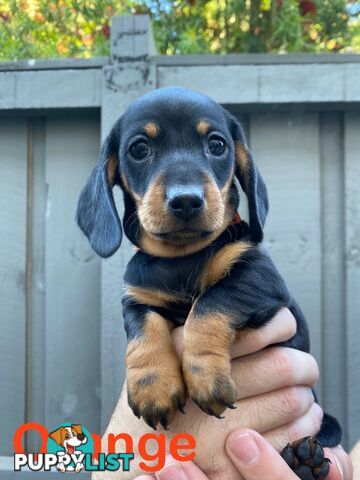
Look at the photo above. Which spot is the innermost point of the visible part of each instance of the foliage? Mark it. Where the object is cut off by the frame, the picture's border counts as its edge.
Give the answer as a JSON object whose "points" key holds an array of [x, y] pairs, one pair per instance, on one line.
{"points": [[80, 28]]}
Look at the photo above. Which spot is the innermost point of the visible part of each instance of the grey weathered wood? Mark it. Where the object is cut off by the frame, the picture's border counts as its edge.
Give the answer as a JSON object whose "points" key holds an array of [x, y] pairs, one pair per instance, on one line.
{"points": [[254, 59], [50, 89], [36, 360], [61, 63], [312, 83], [352, 252], [333, 333], [246, 82], [200, 59], [131, 37], [72, 271], [13, 168], [286, 148]]}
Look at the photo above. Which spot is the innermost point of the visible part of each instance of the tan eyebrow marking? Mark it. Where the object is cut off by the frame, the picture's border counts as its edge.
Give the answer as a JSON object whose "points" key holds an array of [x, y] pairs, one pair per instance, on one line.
{"points": [[202, 127], [152, 129]]}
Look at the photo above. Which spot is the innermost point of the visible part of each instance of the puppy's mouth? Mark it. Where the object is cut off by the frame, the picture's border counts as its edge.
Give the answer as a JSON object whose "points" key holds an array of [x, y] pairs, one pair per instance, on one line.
{"points": [[182, 237], [70, 449]]}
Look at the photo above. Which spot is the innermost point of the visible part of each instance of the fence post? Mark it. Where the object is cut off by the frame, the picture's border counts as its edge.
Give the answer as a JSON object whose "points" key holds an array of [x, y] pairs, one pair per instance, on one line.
{"points": [[129, 75]]}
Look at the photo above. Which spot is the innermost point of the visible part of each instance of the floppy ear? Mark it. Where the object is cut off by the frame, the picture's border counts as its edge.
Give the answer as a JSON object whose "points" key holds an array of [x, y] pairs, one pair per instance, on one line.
{"points": [[77, 428], [251, 182], [57, 435], [96, 212]]}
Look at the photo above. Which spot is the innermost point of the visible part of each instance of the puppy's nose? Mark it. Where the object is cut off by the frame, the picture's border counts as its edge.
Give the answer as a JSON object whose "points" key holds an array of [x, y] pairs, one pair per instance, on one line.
{"points": [[80, 436], [186, 203]]}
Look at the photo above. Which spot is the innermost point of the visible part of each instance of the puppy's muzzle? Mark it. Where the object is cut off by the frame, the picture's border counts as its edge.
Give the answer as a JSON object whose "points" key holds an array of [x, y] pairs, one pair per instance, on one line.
{"points": [[185, 202]]}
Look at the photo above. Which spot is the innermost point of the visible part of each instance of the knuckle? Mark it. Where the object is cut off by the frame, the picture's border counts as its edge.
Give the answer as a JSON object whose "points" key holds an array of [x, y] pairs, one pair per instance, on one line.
{"points": [[293, 400], [283, 363], [314, 369], [290, 327], [307, 425]]}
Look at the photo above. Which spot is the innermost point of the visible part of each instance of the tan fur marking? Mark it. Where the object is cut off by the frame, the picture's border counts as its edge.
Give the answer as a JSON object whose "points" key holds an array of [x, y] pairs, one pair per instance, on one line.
{"points": [[152, 129], [155, 298], [206, 358], [111, 168], [161, 248], [202, 127], [155, 218], [242, 160], [134, 195], [221, 263], [152, 210], [152, 356]]}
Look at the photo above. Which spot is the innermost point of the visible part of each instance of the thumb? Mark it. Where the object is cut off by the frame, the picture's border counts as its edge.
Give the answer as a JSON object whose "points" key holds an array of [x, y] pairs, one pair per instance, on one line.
{"points": [[255, 458]]}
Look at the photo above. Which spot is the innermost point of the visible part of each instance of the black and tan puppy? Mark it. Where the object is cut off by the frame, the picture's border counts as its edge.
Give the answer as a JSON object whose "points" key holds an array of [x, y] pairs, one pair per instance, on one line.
{"points": [[176, 154]]}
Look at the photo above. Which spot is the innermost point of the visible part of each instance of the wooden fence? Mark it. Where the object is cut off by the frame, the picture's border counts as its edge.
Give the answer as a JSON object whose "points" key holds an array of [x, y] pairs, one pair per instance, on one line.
{"points": [[62, 340]]}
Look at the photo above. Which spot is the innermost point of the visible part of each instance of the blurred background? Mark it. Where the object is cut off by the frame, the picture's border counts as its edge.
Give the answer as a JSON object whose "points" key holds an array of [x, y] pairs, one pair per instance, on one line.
{"points": [[288, 69]]}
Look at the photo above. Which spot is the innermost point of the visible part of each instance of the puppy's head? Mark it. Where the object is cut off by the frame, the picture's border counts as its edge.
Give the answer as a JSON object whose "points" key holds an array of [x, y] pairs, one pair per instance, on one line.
{"points": [[175, 154], [69, 437]]}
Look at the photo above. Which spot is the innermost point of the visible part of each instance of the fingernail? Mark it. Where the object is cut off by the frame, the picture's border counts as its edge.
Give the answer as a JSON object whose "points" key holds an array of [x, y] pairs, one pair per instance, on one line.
{"points": [[339, 467], [332, 455], [245, 448], [172, 471]]}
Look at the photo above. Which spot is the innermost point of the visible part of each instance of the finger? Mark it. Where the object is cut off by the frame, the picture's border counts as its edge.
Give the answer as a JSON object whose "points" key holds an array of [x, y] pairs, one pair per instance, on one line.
{"points": [[341, 465], [272, 410], [307, 425], [174, 470], [280, 329], [272, 369], [255, 458]]}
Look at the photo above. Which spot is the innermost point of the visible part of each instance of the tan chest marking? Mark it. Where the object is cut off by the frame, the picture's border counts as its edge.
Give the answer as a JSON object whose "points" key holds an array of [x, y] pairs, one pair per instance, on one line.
{"points": [[152, 297], [221, 263]]}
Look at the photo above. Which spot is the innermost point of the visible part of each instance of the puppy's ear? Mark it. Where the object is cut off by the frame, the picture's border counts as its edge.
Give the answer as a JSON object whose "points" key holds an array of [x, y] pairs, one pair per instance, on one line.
{"points": [[96, 212], [250, 180], [57, 435], [77, 428]]}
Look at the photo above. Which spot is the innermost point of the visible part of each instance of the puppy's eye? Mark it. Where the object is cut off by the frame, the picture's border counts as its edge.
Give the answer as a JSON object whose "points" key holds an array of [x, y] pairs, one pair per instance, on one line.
{"points": [[139, 149], [216, 145]]}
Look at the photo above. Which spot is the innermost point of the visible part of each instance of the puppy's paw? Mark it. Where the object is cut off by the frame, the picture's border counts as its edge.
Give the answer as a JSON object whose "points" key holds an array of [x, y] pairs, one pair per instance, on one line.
{"points": [[209, 383], [156, 398], [306, 458], [155, 392]]}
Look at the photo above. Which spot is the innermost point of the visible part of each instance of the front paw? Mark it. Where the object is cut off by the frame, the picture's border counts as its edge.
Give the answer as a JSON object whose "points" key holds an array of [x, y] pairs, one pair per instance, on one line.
{"points": [[209, 383], [155, 384], [156, 397]]}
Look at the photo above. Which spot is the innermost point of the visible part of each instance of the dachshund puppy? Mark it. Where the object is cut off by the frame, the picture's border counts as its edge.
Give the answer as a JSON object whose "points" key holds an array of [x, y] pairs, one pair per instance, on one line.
{"points": [[176, 154]]}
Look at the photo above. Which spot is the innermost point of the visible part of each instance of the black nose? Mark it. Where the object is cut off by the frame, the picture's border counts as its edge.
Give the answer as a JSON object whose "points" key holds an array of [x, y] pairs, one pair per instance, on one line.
{"points": [[186, 203], [80, 436]]}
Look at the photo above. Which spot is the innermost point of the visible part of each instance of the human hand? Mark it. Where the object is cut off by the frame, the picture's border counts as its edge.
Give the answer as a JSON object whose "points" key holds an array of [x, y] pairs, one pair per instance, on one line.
{"points": [[254, 459], [274, 398]]}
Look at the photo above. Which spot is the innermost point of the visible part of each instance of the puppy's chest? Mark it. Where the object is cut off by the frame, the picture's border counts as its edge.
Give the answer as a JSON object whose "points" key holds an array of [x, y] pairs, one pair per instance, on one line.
{"points": [[169, 285]]}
